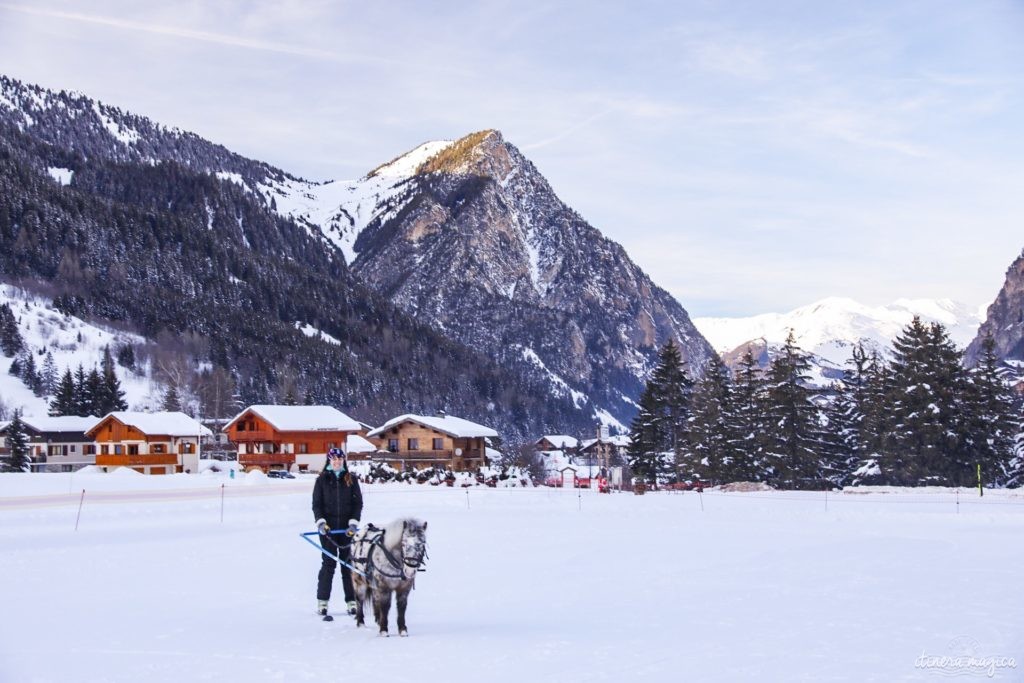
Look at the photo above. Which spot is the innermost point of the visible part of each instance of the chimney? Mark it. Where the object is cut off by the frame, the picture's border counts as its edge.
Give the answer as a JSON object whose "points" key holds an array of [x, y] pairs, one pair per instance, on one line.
{"points": [[441, 414]]}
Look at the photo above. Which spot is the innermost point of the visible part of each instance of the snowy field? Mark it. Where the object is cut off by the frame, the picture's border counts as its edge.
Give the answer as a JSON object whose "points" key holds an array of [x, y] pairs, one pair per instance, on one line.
{"points": [[522, 585]]}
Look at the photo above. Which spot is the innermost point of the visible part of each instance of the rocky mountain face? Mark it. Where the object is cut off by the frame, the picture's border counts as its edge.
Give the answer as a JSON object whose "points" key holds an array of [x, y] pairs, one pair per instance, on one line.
{"points": [[478, 245], [1005, 318], [449, 277]]}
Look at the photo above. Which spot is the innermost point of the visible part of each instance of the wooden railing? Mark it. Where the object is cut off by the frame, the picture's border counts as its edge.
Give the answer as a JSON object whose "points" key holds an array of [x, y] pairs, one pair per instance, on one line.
{"points": [[265, 459], [125, 460], [254, 435]]}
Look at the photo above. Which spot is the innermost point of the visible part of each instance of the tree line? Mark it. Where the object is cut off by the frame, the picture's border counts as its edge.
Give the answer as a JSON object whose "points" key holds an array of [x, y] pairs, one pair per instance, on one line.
{"points": [[917, 417]]}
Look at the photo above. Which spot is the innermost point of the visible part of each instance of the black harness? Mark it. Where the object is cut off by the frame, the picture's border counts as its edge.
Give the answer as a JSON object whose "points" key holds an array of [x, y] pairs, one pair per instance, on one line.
{"points": [[373, 570]]}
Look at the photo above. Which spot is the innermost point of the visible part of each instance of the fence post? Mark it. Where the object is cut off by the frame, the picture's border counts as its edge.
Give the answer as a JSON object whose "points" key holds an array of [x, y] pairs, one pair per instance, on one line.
{"points": [[467, 499], [700, 493], [222, 503], [80, 502]]}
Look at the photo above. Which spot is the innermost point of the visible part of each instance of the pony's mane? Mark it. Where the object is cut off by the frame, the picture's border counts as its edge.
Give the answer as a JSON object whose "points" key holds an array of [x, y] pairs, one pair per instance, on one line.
{"points": [[393, 531]]}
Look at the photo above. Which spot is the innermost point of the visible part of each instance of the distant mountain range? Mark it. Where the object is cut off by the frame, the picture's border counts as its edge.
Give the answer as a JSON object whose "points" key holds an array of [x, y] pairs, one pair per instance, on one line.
{"points": [[451, 277], [828, 329]]}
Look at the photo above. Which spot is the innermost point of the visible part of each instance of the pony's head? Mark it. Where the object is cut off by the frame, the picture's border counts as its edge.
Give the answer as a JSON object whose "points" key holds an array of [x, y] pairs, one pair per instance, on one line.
{"points": [[414, 542]]}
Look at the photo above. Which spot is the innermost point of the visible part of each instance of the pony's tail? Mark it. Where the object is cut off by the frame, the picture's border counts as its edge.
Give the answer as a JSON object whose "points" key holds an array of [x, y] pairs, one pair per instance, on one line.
{"points": [[348, 478]]}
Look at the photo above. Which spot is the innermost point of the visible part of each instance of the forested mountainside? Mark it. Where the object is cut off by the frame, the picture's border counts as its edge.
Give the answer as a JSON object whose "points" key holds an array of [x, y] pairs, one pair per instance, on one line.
{"points": [[199, 263]]}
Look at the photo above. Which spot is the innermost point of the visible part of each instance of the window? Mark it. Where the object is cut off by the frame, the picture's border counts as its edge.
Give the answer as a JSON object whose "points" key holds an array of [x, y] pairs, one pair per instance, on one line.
{"points": [[89, 449], [393, 445], [105, 449], [303, 448], [188, 447], [73, 447], [158, 448], [133, 449], [438, 444], [118, 449], [414, 444], [240, 426]]}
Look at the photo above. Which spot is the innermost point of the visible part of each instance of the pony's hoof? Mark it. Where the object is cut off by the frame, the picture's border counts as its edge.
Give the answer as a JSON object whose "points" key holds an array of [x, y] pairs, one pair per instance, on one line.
{"points": [[383, 634], [403, 633]]}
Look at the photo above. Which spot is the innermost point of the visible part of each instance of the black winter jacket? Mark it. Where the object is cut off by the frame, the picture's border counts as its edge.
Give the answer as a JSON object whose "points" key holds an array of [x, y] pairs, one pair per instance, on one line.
{"points": [[335, 501]]}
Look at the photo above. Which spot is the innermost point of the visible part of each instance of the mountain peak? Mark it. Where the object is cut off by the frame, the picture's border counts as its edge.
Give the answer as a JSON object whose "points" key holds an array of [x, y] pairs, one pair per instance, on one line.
{"points": [[479, 153]]}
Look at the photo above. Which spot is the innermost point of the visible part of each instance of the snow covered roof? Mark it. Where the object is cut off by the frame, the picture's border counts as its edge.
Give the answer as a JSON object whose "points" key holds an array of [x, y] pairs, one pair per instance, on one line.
{"points": [[64, 423], [169, 423], [357, 444], [302, 418], [559, 440], [620, 440], [453, 426]]}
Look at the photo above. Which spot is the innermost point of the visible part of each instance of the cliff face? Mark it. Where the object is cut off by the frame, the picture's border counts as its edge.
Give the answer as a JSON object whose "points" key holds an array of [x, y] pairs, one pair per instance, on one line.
{"points": [[478, 244], [1005, 318]]}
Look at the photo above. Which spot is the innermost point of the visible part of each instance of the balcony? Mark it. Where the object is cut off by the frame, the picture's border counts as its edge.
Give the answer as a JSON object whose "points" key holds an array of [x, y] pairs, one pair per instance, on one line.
{"points": [[125, 460], [265, 459], [254, 435]]}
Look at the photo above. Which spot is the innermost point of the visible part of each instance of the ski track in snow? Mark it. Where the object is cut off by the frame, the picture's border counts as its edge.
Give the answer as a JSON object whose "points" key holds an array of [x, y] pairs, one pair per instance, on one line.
{"points": [[522, 584]]}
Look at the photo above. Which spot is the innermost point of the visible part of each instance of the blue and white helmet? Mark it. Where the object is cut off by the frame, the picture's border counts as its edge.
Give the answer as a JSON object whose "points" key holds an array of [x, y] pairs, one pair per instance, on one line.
{"points": [[335, 453]]}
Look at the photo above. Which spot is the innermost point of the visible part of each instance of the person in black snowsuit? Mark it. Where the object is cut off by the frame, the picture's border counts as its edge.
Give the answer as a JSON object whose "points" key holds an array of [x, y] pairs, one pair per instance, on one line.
{"points": [[337, 504]]}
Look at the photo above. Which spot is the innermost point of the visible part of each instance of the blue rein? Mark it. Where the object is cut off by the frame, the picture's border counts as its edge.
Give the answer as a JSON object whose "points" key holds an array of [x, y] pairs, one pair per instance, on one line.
{"points": [[306, 536]]}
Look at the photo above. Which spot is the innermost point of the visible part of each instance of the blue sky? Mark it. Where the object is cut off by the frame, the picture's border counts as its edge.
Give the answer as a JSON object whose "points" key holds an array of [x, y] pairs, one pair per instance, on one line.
{"points": [[750, 156]]}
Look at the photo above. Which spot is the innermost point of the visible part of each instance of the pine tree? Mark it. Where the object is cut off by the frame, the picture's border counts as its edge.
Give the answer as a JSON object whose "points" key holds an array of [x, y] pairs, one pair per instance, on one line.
{"points": [[711, 434], [11, 342], [748, 425], [646, 455], [17, 445], [924, 407], [839, 453], [30, 375], [63, 402], [111, 394], [126, 356], [48, 376], [171, 401], [675, 388], [793, 427], [991, 418], [92, 396]]}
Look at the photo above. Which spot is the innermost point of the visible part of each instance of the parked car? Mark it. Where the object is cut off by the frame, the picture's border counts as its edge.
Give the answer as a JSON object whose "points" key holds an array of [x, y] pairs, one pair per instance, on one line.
{"points": [[280, 474]]}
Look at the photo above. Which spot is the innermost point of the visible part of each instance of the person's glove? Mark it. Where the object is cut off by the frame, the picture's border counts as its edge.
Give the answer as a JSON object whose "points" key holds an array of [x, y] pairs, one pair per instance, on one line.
{"points": [[321, 526], [353, 527]]}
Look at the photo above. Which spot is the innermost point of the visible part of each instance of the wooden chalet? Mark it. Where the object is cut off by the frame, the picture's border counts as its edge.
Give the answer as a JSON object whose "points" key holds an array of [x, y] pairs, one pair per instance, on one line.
{"points": [[57, 444], [556, 442], [280, 437], [605, 450], [419, 441], [151, 443]]}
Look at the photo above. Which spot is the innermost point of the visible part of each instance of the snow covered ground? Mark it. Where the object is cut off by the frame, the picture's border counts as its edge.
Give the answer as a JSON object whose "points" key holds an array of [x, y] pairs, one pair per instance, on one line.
{"points": [[522, 585]]}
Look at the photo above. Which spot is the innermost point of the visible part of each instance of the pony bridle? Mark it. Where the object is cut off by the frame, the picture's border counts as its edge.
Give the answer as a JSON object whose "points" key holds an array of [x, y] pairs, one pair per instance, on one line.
{"points": [[415, 561]]}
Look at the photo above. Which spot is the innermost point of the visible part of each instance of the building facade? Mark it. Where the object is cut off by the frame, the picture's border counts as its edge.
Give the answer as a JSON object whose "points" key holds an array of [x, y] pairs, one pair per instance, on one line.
{"points": [[289, 437], [420, 441]]}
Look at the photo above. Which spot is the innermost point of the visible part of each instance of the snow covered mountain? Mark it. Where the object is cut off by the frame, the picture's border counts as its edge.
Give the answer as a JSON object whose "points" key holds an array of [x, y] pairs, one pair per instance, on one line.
{"points": [[464, 237], [468, 236], [828, 329]]}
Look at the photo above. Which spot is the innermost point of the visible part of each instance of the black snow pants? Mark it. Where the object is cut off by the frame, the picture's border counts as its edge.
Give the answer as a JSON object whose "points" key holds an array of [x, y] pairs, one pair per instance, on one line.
{"points": [[335, 545]]}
